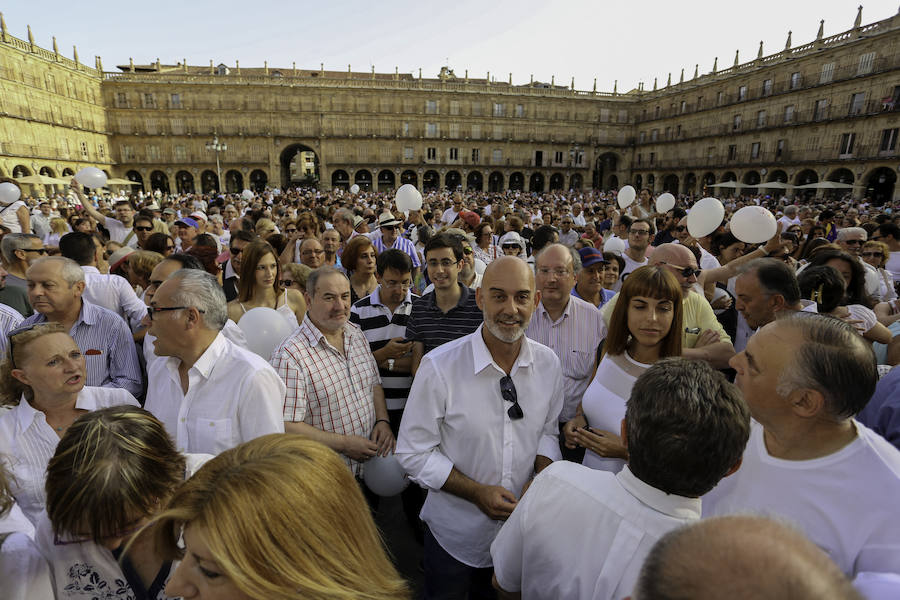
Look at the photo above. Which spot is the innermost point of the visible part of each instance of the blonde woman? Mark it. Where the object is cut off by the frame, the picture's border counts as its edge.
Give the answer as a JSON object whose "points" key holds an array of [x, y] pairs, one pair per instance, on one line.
{"points": [[139, 265], [277, 518], [43, 382], [58, 228], [113, 470]]}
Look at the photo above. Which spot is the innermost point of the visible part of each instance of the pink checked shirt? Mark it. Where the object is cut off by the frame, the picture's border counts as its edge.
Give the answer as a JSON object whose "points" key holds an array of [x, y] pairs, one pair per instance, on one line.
{"points": [[325, 389]]}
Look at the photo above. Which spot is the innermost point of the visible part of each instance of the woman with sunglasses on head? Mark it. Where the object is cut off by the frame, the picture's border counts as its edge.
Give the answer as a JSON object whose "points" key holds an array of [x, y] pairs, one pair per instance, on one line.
{"points": [[43, 375], [113, 470], [260, 286], [876, 254], [359, 261], [277, 518], [645, 326]]}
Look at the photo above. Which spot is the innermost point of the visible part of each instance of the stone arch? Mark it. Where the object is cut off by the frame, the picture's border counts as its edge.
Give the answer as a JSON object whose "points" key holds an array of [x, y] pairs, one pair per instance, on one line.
{"points": [[386, 180], [234, 181], [517, 181], [159, 181], [258, 180], [431, 180], [495, 182], [409, 176], [536, 182], [576, 181], [475, 181], [209, 181], [134, 176], [298, 167], [363, 179], [670, 183], [881, 184], [340, 179], [452, 180], [184, 182]]}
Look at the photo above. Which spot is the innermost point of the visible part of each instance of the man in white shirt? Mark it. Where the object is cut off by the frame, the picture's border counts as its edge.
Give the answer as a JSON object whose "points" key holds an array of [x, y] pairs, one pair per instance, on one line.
{"points": [[741, 556], [639, 235], [578, 215], [209, 393], [481, 418], [789, 218], [567, 235], [808, 460], [584, 533], [449, 216], [109, 291], [40, 221], [120, 229], [570, 326]]}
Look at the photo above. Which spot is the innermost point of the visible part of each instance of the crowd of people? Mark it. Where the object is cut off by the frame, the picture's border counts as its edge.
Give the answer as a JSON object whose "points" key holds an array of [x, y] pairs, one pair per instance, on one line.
{"points": [[587, 400]]}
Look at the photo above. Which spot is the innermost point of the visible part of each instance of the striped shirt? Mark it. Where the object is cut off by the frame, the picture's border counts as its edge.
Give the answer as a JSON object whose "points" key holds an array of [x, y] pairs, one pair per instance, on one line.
{"points": [[327, 389], [429, 325], [401, 243], [574, 338], [379, 326], [9, 320], [107, 345]]}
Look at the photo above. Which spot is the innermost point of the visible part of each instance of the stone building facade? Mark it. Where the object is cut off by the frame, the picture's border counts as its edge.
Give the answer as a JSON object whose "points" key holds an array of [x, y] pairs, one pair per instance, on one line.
{"points": [[828, 110]]}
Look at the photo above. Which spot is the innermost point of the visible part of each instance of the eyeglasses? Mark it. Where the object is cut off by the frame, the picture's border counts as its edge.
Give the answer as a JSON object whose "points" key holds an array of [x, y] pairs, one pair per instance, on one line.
{"points": [[286, 283], [136, 228], [85, 539], [854, 242], [445, 263], [511, 247], [38, 250], [680, 228], [508, 391], [546, 272], [872, 254], [390, 227], [686, 272], [639, 232], [235, 251], [308, 252], [151, 310], [168, 247]]}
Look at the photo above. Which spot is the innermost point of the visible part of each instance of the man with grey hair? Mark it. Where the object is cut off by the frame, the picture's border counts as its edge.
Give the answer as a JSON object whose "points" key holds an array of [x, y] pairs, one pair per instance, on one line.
{"points": [[741, 556], [573, 328], [19, 251], [55, 288], [790, 217], [343, 220], [584, 533], [809, 461], [210, 393], [851, 241]]}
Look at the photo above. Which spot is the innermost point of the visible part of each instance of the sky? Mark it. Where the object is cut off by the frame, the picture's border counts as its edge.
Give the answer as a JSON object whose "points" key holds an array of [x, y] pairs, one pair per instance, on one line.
{"points": [[629, 41]]}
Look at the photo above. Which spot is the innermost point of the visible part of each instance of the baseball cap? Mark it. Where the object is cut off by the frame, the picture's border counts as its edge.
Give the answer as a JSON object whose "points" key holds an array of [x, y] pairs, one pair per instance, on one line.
{"points": [[591, 256], [188, 222]]}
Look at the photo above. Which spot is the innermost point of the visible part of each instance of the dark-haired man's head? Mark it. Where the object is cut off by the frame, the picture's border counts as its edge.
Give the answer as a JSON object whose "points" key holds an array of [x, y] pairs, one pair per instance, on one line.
{"points": [[766, 287], [80, 247], [393, 270]]}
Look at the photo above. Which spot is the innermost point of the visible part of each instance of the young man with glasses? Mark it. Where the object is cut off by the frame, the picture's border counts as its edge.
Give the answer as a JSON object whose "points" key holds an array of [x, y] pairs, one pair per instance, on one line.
{"points": [[120, 227], [635, 254], [482, 418], [450, 311]]}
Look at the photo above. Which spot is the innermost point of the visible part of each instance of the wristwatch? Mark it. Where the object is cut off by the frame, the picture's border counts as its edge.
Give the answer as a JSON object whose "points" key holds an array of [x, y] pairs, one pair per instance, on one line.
{"points": [[390, 364]]}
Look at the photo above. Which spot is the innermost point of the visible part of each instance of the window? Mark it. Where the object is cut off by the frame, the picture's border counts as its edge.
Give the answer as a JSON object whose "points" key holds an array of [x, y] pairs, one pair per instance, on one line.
{"points": [[866, 63], [454, 130], [654, 135], [821, 110], [431, 130], [699, 102], [409, 153], [497, 132], [153, 152], [710, 151], [180, 154], [683, 107], [476, 156], [404, 129], [84, 151], [520, 110], [149, 101], [558, 157], [604, 115], [454, 107], [857, 103], [127, 153], [789, 113], [888, 140], [177, 126], [640, 159], [796, 80], [101, 150], [812, 142], [175, 100], [476, 132], [736, 123], [827, 73], [720, 98], [678, 131], [498, 109], [476, 109], [623, 115], [652, 157], [847, 140], [431, 154], [668, 134], [656, 113], [742, 93], [431, 107], [779, 149], [732, 152], [642, 137], [754, 150], [761, 118], [454, 153], [121, 100], [497, 156], [767, 87]]}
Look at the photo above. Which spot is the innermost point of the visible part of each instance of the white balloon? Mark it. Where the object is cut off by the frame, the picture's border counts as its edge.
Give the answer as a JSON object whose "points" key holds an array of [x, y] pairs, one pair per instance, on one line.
{"points": [[615, 245], [753, 224], [705, 216], [408, 198], [665, 203], [247, 195], [9, 193], [384, 475], [91, 177], [626, 196], [264, 329], [354, 189]]}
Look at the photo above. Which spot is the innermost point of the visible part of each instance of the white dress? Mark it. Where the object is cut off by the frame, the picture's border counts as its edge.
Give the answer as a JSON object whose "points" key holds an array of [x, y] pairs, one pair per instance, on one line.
{"points": [[9, 218], [604, 401], [285, 311], [27, 443]]}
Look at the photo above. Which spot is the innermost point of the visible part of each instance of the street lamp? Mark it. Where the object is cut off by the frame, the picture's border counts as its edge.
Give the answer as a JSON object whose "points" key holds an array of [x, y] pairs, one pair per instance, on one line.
{"points": [[218, 147]]}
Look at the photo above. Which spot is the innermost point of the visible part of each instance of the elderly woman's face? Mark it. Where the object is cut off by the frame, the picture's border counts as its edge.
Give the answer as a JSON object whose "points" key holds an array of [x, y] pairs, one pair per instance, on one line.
{"points": [[872, 255], [53, 366]]}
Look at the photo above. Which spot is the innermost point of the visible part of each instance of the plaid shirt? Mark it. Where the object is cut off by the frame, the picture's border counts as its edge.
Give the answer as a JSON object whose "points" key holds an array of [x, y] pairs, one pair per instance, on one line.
{"points": [[326, 389]]}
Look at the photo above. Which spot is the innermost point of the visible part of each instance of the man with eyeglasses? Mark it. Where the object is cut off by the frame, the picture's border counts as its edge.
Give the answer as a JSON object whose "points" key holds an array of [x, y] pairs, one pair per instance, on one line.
{"points": [[567, 235], [481, 420], [119, 228], [390, 237], [450, 311], [55, 288], [635, 254], [210, 393], [851, 240], [568, 325], [232, 271], [311, 253], [19, 251]]}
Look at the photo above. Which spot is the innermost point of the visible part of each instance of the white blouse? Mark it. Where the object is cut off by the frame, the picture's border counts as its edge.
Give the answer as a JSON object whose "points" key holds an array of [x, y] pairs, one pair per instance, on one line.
{"points": [[27, 443]]}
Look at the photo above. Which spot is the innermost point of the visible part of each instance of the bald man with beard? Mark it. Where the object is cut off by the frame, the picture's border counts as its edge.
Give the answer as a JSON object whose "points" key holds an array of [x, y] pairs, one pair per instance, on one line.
{"points": [[703, 337]]}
